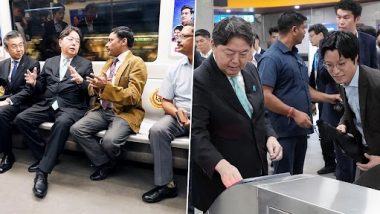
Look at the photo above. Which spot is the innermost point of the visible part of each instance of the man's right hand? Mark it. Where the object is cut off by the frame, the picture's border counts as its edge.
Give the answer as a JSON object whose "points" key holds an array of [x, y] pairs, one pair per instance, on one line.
{"points": [[302, 119], [342, 128], [31, 77], [229, 173]]}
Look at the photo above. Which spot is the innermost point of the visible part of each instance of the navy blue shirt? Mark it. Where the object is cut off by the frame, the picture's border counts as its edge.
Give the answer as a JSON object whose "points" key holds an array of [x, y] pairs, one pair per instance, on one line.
{"points": [[285, 71]]}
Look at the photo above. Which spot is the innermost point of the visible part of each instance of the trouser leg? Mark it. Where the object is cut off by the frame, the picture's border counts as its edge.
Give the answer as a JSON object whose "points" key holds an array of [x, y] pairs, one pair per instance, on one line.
{"points": [[160, 136], [84, 131], [7, 114]]}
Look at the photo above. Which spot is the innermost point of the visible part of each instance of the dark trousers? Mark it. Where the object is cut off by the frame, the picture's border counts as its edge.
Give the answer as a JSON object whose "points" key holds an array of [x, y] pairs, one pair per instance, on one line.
{"points": [[345, 166], [47, 153], [7, 114], [294, 151]]}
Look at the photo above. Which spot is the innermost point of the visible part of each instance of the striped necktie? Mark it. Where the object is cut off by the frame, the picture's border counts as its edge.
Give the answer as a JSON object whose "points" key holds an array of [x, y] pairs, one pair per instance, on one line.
{"points": [[107, 104]]}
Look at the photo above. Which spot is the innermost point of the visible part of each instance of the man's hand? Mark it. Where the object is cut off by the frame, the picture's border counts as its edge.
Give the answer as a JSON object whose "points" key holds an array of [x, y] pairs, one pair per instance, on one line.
{"points": [[31, 77], [334, 98], [97, 82], [274, 149], [4, 103], [182, 117], [229, 173], [342, 128], [302, 119], [373, 161], [75, 76]]}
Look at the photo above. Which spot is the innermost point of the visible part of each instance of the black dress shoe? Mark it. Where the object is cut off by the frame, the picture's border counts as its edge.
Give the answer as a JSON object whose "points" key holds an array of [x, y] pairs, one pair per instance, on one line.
{"points": [[34, 167], [103, 171], [40, 184], [6, 163], [326, 170], [159, 193]]}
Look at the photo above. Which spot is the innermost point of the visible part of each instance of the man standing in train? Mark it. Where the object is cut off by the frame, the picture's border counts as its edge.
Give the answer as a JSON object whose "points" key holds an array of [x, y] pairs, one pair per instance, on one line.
{"points": [[287, 93], [63, 99], [14, 92], [118, 108], [187, 14], [175, 92]]}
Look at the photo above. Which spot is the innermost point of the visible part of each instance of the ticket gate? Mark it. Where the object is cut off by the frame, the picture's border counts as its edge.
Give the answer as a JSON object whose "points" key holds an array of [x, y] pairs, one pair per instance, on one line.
{"points": [[298, 194]]}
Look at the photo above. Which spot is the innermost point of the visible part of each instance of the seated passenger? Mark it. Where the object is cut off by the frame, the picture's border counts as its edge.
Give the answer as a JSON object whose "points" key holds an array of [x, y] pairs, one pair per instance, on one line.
{"points": [[360, 93], [15, 91], [176, 102], [118, 108], [63, 99]]}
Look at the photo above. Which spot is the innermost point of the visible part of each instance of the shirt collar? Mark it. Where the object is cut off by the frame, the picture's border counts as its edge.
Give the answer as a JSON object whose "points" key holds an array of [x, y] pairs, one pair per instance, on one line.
{"points": [[122, 56], [63, 57], [283, 47], [355, 79]]}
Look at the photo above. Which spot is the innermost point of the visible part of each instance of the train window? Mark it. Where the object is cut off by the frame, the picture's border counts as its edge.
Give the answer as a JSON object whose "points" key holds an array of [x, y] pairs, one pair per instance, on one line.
{"points": [[41, 21]]}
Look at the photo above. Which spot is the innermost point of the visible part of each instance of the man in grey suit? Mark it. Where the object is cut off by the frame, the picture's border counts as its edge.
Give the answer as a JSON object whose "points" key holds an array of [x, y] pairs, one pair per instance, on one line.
{"points": [[15, 93], [361, 93], [63, 100], [175, 92], [230, 135]]}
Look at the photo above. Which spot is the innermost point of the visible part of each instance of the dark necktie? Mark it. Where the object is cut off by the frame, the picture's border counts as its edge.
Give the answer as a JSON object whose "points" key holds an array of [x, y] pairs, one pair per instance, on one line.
{"points": [[14, 70], [106, 104]]}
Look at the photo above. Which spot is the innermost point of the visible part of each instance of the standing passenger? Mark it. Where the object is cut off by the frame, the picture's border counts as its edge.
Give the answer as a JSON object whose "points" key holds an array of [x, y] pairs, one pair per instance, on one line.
{"points": [[288, 96], [118, 108], [63, 100], [15, 90], [230, 136], [175, 92]]}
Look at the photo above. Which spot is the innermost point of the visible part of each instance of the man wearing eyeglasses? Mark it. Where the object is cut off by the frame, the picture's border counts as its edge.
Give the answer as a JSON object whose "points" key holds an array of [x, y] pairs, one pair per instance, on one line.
{"points": [[175, 93], [287, 93], [361, 93], [15, 93], [63, 99]]}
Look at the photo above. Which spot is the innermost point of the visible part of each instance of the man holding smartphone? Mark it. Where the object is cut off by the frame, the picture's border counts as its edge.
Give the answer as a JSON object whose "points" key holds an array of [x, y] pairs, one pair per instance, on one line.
{"points": [[175, 92]]}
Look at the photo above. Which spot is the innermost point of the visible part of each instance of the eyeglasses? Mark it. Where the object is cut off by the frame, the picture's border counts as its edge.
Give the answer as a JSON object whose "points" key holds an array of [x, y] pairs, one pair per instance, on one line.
{"points": [[14, 46], [72, 39], [339, 66], [182, 36]]}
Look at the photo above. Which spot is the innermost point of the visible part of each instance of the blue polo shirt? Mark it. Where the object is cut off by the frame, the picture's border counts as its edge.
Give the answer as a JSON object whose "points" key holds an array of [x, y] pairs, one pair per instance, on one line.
{"points": [[285, 71]]}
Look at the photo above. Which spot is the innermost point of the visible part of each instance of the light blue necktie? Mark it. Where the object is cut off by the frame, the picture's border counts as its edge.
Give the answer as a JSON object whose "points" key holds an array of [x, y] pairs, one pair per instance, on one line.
{"points": [[241, 96], [63, 68]]}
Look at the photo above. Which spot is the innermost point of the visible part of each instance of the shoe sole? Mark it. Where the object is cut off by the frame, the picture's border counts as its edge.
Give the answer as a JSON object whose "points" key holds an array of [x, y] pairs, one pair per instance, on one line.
{"points": [[154, 201]]}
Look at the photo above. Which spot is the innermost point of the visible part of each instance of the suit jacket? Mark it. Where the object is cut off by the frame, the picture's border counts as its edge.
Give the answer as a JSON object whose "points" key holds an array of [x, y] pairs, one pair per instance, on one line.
{"points": [[50, 28], [18, 91], [369, 103], [125, 94], [367, 50], [71, 97], [221, 129]]}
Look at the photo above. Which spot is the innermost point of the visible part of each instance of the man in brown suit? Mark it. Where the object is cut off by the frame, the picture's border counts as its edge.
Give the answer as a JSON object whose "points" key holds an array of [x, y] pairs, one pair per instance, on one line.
{"points": [[118, 109]]}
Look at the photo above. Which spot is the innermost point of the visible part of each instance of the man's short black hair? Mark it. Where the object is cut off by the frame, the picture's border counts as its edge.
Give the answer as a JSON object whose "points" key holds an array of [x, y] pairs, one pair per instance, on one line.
{"points": [[288, 20], [187, 7], [58, 7], [203, 33], [349, 5], [231, 27], [178, 27], [346, 43], [273, 30], [125, 32], [11, 35], [65, 32], [318, 28]]}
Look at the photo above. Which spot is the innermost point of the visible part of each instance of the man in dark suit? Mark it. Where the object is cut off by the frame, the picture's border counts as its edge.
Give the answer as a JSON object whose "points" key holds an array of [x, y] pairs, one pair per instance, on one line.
{"points": [[360, 92], [348, 15], [16, 97], [230, 135], [91, 23], [63, 100]]}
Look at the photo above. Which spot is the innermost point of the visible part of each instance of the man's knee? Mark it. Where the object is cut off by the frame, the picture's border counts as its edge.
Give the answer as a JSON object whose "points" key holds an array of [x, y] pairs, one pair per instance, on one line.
{"points": [[111, 146], [21, 120], [158, 131]]}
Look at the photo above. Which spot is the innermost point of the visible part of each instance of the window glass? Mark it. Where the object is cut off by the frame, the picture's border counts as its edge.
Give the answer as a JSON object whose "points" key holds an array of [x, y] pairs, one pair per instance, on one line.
{"points": [[41, 21]]}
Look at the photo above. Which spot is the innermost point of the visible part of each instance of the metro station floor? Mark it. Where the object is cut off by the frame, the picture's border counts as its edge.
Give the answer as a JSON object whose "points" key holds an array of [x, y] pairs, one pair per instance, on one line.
{"points": [[71, 190]]}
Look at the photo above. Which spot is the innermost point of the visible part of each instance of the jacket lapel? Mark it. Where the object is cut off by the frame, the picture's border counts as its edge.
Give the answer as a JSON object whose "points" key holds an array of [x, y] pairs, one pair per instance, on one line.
{"points": [[224, 89], [363, 91], [55, 66], [7, 69], [122, 68], [250, 90]]}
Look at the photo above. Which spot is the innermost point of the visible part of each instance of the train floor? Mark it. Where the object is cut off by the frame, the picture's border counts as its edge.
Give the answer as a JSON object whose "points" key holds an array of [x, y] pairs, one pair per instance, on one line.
{"points": [[71, 190]]}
